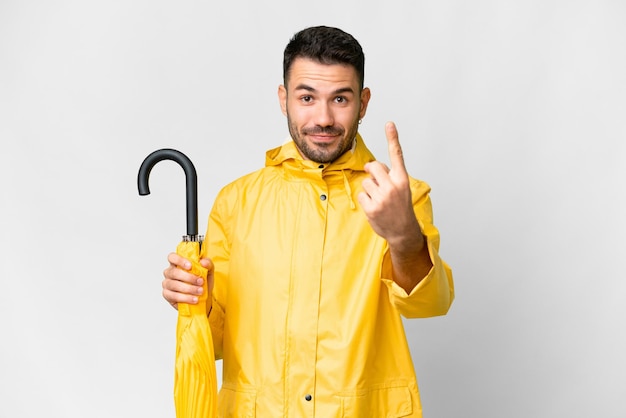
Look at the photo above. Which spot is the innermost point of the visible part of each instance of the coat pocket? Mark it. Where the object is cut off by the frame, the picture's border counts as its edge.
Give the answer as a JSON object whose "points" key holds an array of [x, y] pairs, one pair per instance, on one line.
{"points": [[378, 402], [236, 402]]}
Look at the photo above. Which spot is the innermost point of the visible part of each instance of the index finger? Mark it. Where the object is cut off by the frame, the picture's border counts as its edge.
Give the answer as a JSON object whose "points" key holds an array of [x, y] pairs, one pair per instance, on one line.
{"points": [[395, 150], [179, 261]]}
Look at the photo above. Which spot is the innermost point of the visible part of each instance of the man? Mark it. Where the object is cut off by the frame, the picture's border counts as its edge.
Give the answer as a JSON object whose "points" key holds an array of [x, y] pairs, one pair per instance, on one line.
{"points": [[308, 286]]}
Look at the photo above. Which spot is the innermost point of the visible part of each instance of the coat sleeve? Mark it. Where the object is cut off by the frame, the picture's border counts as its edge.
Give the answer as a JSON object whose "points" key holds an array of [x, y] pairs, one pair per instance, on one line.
{"points": [[433, 296], [217, 248]]}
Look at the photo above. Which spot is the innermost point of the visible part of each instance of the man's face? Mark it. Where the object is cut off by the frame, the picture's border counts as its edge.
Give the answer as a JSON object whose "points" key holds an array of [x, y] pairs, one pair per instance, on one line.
{"points": [[323, 104]]}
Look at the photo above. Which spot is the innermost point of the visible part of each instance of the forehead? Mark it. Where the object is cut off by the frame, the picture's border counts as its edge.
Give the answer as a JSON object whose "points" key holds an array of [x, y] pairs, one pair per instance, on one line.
{"points": [[313, 73]]}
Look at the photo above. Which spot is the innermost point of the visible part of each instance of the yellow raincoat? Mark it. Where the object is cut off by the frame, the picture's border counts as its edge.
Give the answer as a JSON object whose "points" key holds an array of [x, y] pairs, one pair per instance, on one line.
{"points": [[305, 313]]}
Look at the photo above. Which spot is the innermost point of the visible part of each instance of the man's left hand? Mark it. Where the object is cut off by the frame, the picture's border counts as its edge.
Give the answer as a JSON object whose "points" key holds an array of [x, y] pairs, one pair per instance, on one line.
{"points": [[386, 197]]}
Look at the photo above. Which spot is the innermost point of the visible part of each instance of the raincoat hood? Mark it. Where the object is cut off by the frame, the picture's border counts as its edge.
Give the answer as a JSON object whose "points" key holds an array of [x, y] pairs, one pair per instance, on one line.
{"points": [[296, 167], [288, 154]]}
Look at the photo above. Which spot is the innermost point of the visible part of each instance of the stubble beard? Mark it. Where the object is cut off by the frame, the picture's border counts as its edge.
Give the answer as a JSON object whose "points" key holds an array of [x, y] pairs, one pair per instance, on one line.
{"points": [[320, 153]]}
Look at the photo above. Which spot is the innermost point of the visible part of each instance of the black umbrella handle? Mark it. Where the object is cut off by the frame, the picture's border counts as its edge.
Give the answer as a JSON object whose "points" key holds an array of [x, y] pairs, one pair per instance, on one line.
{"points": [[190, 176]]}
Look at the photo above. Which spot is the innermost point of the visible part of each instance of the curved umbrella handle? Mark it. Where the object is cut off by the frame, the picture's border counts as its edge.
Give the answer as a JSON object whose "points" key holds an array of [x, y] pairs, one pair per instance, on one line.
{"points": [[191, 180]]}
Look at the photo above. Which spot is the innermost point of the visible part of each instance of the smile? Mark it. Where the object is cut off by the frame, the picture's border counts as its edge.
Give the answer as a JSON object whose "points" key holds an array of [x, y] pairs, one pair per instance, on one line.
{"points": [[323, 138]]}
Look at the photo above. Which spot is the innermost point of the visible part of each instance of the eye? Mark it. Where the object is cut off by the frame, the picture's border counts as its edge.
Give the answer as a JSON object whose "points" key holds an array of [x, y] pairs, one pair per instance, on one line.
{"points": [[340, 99], [306, 99]]}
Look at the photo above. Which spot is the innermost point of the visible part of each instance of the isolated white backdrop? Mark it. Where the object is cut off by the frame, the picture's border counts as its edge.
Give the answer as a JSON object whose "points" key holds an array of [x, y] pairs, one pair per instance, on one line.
{"points": [[513, 111]]}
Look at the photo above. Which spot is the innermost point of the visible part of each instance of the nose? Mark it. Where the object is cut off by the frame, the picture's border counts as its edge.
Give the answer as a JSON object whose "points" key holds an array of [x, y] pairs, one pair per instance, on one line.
{"points": [[324, 115]]}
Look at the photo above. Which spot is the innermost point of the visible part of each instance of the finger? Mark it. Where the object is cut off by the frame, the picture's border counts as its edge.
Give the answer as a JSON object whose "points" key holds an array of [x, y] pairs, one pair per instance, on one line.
{"points": [[206, 263], [174, 298], [395, 150], [378, 171], [179, 261], [176, 291], [365, 201], [376, 168], [177, 274], [371, 189], [181, 287], [373, 164]]}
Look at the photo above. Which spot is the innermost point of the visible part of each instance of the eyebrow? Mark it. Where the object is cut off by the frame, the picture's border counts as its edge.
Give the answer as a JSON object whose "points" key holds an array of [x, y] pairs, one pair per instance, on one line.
{"points": [[312, 90]]}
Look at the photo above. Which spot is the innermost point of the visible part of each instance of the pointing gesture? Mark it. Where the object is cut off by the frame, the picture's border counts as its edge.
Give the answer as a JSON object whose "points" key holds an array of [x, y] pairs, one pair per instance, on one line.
{"points": [[387, 203], [386, 196]]}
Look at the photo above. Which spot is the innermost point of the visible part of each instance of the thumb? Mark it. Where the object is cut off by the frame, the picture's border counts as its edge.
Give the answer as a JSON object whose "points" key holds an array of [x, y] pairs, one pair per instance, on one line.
{"points": [[206, 263]]}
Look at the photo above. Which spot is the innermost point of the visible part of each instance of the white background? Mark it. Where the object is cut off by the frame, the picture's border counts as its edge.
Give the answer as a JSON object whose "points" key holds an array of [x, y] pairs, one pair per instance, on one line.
{"points": [[513, 111]]}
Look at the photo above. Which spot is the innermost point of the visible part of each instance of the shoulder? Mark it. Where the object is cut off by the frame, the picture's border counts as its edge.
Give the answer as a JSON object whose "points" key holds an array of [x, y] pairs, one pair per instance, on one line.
{"points": [[238, 189]]}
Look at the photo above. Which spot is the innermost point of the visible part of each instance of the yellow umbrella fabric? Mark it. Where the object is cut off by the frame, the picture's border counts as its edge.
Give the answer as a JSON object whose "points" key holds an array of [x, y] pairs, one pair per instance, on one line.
{"points": [[195, 381]]}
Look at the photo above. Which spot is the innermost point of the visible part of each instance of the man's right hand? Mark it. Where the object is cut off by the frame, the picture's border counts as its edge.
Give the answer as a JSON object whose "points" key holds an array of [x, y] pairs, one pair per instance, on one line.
{"points": [[180, 286]]}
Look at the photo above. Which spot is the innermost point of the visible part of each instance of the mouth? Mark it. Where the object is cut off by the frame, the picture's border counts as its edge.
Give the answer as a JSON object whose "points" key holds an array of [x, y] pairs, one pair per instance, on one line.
{"points": [[322, 138]]}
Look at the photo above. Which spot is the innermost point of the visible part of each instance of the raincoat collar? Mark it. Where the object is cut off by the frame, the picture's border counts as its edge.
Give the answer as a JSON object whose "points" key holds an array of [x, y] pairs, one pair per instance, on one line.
{"points": [[289, 156]]}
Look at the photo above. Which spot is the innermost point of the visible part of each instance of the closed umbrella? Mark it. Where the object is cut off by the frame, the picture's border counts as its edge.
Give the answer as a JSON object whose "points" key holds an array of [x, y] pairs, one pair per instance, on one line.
{"points": [[195, 380]]}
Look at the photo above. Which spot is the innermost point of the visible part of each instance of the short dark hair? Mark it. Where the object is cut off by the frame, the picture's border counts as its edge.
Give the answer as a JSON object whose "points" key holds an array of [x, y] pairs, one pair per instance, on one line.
{"points": [[325, 45]]}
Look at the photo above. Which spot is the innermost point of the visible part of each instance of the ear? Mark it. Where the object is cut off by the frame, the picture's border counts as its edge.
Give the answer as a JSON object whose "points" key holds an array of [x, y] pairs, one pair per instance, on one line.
{"points": [[365, 99], [282, 99]]}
